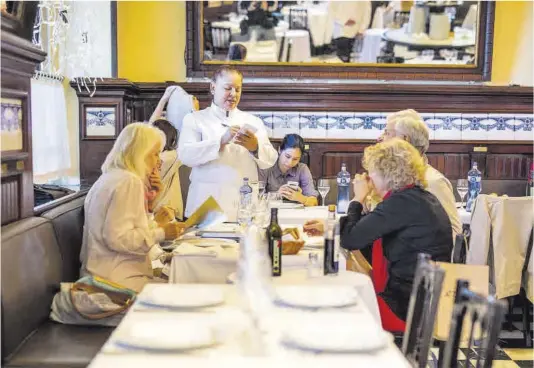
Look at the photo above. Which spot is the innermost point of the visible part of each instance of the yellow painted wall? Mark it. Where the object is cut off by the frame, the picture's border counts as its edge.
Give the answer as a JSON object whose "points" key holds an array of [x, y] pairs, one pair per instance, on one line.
{"points": [[151, 40], [512, 47]]}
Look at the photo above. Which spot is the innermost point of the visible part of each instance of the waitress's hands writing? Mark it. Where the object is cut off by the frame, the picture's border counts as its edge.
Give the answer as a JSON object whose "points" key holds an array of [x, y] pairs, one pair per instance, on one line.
{"points": [[247, 139], [229, 135]]}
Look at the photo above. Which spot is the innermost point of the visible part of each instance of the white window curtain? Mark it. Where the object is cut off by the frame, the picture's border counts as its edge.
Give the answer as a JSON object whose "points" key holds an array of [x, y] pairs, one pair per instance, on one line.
{"points": [[49, 127]]}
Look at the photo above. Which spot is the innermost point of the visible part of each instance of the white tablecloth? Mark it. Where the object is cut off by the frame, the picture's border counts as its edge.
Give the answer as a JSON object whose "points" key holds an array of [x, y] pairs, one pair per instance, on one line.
{"points": [[465, 217], [300, 216], [300, 46], [237, 343], [361, 282], [372, 43], [318, 23]]}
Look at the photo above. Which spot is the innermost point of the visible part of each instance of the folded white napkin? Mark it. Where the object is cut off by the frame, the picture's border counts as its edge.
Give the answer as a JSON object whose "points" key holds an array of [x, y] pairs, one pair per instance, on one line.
{"points": [[186, 249]]}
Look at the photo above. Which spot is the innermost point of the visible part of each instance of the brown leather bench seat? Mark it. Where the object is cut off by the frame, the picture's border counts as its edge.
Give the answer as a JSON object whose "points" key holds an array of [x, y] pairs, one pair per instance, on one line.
{"points": [[37, 254]]}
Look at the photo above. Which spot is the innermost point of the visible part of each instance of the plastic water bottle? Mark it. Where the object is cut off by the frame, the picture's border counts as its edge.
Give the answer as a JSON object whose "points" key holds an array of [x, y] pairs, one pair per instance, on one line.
{"points": [[343, 182], [474, 179], [244, 215]]}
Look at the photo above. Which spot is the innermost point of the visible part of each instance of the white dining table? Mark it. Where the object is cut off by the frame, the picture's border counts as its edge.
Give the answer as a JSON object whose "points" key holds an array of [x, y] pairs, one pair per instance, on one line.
{"points": [[238, 341]]}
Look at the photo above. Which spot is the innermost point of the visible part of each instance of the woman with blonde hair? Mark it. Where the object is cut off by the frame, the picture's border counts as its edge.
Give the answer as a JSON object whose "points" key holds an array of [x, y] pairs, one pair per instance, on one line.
{"points": [[408, 221], [118, 234]]}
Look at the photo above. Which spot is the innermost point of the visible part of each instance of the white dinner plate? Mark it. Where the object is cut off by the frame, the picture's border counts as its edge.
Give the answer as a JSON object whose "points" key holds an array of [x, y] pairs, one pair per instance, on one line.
{"points": [[315, 297], [182, 297], [335, 332], [168, 335]]}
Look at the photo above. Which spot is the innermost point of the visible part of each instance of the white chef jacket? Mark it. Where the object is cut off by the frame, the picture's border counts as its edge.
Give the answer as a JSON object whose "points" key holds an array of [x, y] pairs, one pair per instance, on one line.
{"points": [[340, 12], [220, 174]]}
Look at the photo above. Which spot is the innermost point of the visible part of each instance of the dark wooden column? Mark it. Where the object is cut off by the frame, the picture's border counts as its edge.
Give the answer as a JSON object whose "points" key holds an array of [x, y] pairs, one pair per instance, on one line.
{"points": [[19, 60]]}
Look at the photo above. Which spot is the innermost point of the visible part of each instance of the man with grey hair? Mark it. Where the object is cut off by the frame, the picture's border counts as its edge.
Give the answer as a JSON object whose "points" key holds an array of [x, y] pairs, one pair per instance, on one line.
{"points": [[409, 125]]}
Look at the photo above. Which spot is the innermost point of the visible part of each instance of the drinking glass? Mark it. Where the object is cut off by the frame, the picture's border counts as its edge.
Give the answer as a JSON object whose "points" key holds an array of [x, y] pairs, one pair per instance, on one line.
{"points": [[462, 186], [427, 55], [314, 266], [261, 189], [323, 186], [274, 199]]}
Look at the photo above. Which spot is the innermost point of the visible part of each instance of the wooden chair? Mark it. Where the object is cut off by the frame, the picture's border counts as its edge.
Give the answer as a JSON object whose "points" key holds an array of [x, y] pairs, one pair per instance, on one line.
{"points": [[484, 316], [422, 311]]}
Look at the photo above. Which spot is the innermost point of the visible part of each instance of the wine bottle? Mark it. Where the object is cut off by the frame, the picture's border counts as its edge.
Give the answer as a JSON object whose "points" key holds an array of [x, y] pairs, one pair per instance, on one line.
{"points": [[330, 260], [274, 236]]}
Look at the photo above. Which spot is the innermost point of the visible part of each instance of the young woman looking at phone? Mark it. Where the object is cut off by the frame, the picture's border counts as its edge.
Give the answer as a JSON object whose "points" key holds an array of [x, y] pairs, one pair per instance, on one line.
{"points": [[289, 177]]}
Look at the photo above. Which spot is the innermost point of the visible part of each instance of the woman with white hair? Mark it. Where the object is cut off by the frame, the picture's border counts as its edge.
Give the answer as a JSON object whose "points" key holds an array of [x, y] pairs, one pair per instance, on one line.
{"points": [[408, 221], [118, 234]]}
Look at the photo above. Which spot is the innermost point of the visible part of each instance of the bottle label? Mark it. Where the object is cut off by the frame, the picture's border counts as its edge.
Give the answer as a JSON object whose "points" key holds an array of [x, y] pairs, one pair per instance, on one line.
{"points": [[277, 253]]}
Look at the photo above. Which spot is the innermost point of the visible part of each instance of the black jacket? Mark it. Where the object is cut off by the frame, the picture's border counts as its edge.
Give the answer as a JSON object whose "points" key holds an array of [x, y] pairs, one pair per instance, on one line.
{"points": [[410, 221]]}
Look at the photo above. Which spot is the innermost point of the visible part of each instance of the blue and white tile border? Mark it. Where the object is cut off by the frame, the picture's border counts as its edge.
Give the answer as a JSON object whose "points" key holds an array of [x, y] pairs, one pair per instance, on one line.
{"points": [[369, 125]]}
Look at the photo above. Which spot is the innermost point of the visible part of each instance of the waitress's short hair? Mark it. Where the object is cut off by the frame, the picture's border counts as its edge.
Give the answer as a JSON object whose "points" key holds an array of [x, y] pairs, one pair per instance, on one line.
{"points": [[131, 148], [225, 69], [171, 134]]}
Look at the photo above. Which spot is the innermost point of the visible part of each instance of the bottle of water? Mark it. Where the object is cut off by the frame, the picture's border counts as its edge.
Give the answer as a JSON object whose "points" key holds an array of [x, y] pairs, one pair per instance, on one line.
{"points": [[474, 179], [244, 214], [343, 182]]}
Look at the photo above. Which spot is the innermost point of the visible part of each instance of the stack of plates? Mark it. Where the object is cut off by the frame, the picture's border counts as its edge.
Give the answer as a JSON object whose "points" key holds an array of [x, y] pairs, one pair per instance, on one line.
{"points": [[182, 297], [201, 242]]}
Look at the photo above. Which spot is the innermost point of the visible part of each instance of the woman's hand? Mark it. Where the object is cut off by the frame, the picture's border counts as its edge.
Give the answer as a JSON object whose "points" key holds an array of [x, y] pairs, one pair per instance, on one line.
{"points": [[164, 215], [248, 140], [314, 227], [292, 194], [229, 135], [173, 230], [168, 92], [362, 187]]}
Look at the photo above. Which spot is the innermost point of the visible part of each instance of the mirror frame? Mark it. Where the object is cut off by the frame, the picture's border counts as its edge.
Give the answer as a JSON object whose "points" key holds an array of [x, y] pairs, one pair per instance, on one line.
{"points": [[197, 68]]}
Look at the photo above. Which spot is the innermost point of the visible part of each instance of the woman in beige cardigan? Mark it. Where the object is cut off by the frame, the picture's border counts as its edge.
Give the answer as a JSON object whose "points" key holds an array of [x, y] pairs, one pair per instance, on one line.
{"points": [[118, 234]]}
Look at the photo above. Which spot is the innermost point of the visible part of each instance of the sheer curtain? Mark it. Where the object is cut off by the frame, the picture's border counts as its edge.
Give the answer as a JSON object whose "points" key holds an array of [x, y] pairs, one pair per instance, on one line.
{"points": [[49, 126]]}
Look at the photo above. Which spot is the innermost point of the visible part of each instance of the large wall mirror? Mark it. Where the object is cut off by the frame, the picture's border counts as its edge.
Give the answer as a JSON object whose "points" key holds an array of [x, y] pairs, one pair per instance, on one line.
{"points": [[343, 39]]}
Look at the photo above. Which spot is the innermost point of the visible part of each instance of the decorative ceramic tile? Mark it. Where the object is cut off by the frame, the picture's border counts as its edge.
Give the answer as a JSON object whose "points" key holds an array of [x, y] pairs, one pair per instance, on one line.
{"points": [[285, 123], [100, 121], [447, 126], [500, 127], [11, 124], [524, 131], [472, 127], [313, 125], [341, 126], [371, 126], [428, 118], [267, 119]]}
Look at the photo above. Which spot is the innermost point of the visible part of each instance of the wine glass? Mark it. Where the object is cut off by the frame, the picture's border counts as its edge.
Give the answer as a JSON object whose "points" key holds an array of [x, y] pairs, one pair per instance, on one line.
{"points": [[323, 186], [261, 189], [462, 186]]}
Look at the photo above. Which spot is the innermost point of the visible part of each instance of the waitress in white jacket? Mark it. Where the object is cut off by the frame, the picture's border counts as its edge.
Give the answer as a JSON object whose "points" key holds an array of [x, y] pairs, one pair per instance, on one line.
{"points": [[221, 151]]}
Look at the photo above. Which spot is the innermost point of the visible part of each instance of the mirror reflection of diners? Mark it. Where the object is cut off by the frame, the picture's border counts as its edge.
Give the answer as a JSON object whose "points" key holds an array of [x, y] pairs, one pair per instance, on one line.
{"points": [[363, 32]]}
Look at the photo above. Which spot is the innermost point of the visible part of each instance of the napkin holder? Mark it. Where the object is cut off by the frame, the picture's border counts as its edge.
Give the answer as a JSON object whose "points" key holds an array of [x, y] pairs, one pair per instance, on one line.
{"points": [[292, 242]]}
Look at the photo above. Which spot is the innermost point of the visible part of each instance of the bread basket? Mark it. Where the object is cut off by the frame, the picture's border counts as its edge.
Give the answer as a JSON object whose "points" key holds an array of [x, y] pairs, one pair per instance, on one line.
{"points": [[291, 242]]}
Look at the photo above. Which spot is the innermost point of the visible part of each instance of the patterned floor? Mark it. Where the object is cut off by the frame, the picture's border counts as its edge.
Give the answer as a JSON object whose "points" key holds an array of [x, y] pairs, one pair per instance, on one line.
{"points": [[511, 352]]}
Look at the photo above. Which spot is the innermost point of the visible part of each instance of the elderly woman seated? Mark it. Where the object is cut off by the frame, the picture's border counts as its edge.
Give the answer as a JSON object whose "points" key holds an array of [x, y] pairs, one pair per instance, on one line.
{"points": [[118, 232], [408, 221]]}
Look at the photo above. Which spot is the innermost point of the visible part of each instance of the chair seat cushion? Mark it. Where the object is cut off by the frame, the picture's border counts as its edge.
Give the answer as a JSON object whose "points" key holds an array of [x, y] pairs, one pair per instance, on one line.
{"points": [[58, 345]]}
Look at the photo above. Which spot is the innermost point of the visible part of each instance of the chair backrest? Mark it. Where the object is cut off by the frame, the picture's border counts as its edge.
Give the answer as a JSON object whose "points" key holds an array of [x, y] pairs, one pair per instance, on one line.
{"points": [[185, 173], [298, 19], [31, 275], [485, 315], [500, 231], [460, 249], [221, 36], [422, 310]]}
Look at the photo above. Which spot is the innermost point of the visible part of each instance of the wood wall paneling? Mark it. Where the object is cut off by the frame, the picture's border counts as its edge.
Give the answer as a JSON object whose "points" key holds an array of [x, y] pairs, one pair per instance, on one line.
{"points": [[505, 159], [19, 60]]}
